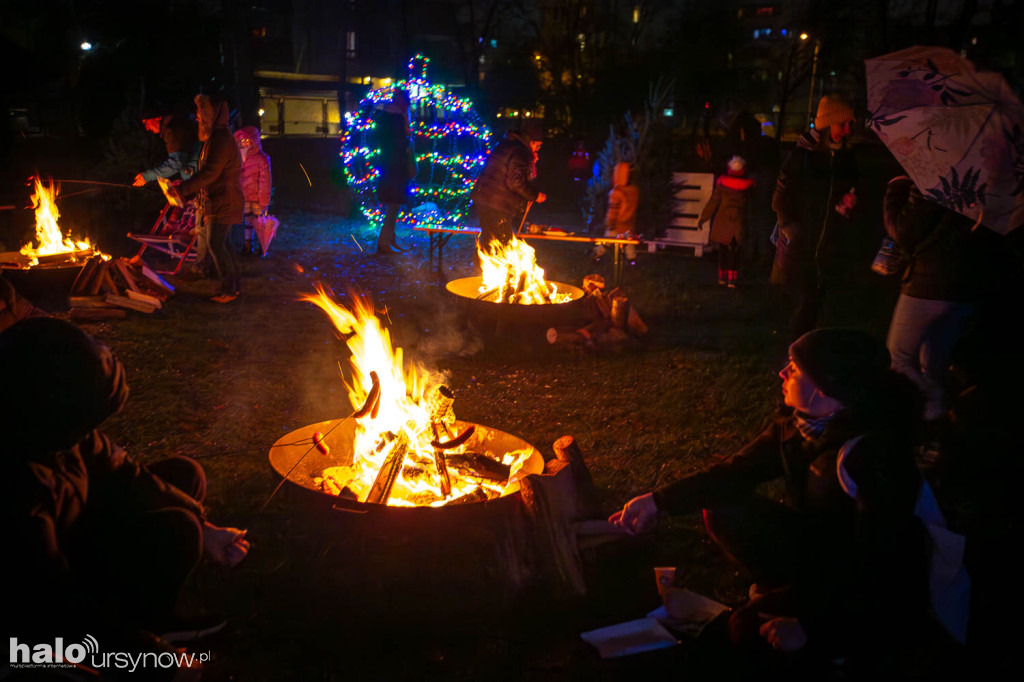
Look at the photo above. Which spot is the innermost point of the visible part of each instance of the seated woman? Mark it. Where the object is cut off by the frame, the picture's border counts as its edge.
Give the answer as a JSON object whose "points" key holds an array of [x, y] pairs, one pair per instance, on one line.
{"points": [[841, 569]]}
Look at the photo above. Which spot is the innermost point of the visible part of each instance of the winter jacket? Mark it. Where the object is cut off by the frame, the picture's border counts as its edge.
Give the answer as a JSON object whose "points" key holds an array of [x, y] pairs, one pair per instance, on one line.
{"points": [[812, 180], [218, 180], [504, 183], [179, 136], [623, 200], [945, 262], [727, 209], [392, 136], [256, 178], [873, 553]]}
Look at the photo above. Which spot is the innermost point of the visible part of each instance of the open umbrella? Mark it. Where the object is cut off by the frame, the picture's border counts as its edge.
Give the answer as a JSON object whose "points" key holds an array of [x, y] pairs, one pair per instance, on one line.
{"points": [[957, 131]]}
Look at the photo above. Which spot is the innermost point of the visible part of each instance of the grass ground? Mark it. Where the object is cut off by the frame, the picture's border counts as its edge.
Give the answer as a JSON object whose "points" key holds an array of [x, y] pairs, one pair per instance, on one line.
{"points": [[323, 599]]}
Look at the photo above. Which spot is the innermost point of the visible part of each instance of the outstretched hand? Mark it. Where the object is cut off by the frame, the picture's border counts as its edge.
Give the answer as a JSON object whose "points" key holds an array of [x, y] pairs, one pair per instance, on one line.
{"points": [[638, 516], [782, 633], [225, 546]]}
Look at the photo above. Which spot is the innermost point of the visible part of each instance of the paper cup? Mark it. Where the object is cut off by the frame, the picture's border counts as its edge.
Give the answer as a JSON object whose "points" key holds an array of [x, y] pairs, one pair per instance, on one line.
{"points": [[664, 575]]}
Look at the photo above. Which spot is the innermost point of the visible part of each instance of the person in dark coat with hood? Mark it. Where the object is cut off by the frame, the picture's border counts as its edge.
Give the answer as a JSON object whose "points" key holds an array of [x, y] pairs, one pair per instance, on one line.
{"points": [[847, 547], [103, 542], [218, 183], [727, 211], [504, 186], [397, 166], [814, 194]]}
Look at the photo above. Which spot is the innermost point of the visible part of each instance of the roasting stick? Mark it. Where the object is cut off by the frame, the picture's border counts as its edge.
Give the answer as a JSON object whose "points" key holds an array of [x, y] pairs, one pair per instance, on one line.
{"points": [[525, 213], [371, 406]]}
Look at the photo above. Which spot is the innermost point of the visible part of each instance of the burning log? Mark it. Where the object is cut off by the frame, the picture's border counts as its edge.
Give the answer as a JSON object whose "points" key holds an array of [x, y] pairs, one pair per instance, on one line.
{"points": [[380, 491], [478, 494], [476, 465]]}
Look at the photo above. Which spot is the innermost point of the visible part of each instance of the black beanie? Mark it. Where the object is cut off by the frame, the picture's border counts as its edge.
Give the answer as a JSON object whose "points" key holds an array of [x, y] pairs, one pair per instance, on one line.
{"points": [[844, 364], [60, 383]]}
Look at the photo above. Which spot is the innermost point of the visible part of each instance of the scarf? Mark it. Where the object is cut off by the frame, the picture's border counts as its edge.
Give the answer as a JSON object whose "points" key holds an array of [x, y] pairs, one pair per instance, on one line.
{"points": [[811, 427]]}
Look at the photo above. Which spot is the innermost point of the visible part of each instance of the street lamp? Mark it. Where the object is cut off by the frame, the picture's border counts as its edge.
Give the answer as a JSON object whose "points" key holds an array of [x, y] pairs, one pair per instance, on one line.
{"points": [[86, 46]]}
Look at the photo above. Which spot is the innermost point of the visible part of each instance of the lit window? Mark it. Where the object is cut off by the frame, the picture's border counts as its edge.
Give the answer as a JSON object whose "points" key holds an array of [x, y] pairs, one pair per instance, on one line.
{"points": [[636, 14], [350, 44]]}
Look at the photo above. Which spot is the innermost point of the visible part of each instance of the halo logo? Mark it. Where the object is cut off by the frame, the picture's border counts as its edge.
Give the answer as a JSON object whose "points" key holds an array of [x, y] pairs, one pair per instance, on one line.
{"points": [[58, 653]]}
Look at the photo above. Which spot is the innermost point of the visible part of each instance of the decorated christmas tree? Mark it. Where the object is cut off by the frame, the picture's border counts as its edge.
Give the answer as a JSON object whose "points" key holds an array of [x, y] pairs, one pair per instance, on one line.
{"points": [[450, 143]]}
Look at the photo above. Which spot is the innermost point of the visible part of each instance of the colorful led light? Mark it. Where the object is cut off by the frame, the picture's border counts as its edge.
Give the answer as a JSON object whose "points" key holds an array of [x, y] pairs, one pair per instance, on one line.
{"points": [[451, 144]]}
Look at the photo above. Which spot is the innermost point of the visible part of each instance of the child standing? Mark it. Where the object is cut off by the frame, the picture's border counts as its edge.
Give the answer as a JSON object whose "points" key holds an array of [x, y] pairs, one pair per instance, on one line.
{"points": [[620, 221], [256, 182], [727, 211]]}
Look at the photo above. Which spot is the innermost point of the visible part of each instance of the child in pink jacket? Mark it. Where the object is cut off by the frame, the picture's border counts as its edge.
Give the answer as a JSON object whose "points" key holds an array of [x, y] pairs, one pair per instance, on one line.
{"points": [[256, 182]]}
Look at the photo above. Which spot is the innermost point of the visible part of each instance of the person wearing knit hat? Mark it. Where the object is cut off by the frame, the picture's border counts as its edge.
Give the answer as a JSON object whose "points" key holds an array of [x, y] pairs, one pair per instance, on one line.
{"points": [[814, 195], [103, 542], [727, 212], [505, 185], [824, 562]]}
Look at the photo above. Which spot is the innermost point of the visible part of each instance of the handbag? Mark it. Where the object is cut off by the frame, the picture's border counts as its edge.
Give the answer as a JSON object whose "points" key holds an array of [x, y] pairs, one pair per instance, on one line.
{"points": [[890, 259]]}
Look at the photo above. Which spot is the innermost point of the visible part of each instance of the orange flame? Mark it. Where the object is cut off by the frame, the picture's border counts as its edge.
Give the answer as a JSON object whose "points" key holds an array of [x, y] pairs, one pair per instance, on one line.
{"points": [[48, 234], [404, 414], [511, 271]]}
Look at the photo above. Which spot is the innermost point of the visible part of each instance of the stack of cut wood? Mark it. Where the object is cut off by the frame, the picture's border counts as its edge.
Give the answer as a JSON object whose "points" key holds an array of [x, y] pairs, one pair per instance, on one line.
{"points": [[107, 289], [612, 319]]}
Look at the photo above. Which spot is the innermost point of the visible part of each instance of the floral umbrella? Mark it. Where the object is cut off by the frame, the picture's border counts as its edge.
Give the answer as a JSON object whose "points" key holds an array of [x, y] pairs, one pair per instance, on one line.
{"points": [[957, 131]]}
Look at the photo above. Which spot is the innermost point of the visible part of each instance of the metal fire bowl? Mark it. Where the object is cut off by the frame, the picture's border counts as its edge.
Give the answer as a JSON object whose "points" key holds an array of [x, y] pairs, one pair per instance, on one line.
{"points": [[339, 435], [544, 314], [46, 286]]}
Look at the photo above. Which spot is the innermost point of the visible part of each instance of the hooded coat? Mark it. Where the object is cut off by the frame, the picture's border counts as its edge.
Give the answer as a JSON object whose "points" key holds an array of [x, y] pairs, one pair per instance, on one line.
{"points": [[504, 183], [62, 481], [811, 182], [218, 179], [623, 200], [257, 181], [727, 209]]}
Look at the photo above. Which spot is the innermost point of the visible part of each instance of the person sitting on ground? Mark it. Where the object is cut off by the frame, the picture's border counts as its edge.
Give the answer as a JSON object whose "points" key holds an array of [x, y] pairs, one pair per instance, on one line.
{"points": [[620, 220], [841, 571], [727, 211], [14, 308], [256, 183], [505, 183], [103, 542], [179, 136]]}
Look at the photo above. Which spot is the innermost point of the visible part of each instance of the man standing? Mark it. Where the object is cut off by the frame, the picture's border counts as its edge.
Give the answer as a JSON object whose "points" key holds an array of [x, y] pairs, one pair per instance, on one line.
{"points": [[815, 192], [505, 183]]}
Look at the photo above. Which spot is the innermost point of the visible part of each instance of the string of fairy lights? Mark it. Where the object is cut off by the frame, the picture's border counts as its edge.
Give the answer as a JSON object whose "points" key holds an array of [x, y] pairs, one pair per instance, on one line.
{"points": [[450, 143]]}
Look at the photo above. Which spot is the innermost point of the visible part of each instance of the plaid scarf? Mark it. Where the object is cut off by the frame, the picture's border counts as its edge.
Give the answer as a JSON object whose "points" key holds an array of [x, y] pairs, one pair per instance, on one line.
{"points": [[811, 427]]}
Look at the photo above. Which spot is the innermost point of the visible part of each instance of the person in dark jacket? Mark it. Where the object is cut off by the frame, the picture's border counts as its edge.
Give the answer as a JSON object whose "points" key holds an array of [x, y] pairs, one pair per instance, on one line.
{"points": [[396, 167], [727, 211], [814, 194], [103, 542], [504, 185], [940, 287], [218, 183], [179, 136], [846, 548]]}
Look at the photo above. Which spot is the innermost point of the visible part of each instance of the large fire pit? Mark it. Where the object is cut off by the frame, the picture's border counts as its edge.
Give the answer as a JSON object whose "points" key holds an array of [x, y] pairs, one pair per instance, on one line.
{"points": [[299, 457], [468, 292]]}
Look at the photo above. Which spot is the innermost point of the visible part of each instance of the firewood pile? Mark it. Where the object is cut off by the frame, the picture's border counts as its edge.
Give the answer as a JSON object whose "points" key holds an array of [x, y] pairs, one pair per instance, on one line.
{"points": [[612, 319], [108, 289]]}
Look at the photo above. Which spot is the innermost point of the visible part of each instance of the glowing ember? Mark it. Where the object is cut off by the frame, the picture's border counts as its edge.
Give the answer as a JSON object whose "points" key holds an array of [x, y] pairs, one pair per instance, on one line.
{"points": [[414, 410], [48, 234], [511, 275]]}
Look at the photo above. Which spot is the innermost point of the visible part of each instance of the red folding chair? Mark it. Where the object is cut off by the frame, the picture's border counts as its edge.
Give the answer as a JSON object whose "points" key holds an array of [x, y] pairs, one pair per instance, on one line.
{"points": [[173, 234]]}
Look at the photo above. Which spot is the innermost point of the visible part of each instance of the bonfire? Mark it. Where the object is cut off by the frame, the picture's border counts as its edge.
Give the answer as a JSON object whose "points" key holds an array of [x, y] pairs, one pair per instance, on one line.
{"points": [[510, 274]]}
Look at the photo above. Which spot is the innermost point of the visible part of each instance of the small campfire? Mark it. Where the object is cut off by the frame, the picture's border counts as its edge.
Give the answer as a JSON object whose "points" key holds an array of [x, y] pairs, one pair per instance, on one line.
{"points": [[55, 249], [406, 448], [510, 274]]}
